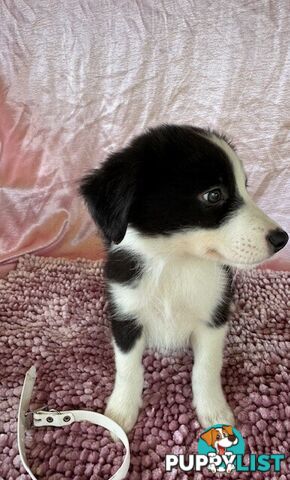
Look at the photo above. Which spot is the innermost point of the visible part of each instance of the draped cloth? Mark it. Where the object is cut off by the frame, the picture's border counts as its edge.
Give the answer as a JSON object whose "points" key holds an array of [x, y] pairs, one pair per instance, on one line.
{"points": [[80, 78]]}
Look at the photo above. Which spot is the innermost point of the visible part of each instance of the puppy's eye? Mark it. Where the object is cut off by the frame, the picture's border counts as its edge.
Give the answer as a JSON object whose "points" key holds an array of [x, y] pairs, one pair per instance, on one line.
{"points": [[213, 196]]}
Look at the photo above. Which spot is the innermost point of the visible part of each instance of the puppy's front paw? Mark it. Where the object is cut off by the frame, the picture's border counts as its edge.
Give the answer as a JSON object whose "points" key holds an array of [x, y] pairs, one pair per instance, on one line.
{"points": [[212, 413], [123, 412]]}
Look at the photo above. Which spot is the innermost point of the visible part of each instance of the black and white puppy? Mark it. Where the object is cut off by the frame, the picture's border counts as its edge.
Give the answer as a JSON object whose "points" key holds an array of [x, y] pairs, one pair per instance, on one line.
{"points": [[175, 212]]}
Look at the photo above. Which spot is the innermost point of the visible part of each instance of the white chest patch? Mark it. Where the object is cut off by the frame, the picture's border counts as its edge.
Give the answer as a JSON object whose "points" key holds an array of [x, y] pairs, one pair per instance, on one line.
{"points": [[171, 298]]}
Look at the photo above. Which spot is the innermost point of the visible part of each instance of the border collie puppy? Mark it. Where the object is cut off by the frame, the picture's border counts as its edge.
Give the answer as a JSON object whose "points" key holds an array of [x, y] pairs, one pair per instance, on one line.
{"points": [[176, 216]]}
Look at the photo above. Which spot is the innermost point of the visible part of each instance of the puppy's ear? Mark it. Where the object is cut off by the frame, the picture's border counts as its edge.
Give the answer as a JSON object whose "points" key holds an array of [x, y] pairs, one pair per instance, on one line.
{"points": [[109, 193], [208, 437], [228, 429]]}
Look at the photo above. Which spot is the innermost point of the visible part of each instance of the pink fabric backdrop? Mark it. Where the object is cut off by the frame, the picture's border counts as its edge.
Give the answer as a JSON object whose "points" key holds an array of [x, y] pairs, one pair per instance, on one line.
{"points": [[79, 78]]}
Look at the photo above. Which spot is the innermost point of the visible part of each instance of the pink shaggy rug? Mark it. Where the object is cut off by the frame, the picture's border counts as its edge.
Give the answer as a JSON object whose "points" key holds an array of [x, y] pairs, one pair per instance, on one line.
{"points": [[53, 315]]}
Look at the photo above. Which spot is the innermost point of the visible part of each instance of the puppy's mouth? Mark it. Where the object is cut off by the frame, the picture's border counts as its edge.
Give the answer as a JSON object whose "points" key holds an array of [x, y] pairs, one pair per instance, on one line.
{"points": [[221, 450], [212, 253], [215, 255]]}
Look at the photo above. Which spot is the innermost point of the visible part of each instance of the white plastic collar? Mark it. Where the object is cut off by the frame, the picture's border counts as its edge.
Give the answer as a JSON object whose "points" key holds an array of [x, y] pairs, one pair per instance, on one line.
{"points": [[53, 418]]}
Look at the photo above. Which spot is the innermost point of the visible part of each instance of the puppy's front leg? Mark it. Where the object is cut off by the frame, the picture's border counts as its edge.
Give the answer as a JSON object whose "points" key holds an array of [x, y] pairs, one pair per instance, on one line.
{"points": [[126, 398], [209, 400]]}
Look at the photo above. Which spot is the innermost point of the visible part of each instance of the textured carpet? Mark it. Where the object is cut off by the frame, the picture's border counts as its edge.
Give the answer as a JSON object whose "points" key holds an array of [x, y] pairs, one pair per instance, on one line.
{"points": [[53, 315]]}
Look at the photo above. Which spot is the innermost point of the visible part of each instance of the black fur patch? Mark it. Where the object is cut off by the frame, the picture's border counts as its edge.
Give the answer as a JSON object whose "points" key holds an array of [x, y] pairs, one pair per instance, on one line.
{"points": [[156, 184], [221, 314], [123, 266], [108, 193], [126, 333], [181, 162]]}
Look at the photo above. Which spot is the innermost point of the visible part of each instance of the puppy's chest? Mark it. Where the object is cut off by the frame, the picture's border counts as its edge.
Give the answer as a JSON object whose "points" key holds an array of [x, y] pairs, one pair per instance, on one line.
{"points": [[183, 289], [170, 297]]}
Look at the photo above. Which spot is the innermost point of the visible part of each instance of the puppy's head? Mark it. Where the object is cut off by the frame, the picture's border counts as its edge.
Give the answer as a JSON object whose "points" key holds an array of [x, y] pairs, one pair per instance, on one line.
{"points": [[185, 187], [220, 438]]}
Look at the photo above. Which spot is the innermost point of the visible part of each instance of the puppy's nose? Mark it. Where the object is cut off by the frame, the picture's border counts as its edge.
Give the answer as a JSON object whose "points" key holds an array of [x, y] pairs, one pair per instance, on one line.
{"points": [[232, 438], [277, 239]]}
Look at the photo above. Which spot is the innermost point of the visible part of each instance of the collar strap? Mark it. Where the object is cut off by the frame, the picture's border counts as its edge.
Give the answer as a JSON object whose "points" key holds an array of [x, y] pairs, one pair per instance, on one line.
{"points": [[53, 418]]}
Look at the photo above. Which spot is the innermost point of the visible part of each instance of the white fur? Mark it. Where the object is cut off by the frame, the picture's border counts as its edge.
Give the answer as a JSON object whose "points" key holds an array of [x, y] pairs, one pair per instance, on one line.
{"points": [[172, 296], [209, 400], [173, 301], [242, 240], [126, 398]]}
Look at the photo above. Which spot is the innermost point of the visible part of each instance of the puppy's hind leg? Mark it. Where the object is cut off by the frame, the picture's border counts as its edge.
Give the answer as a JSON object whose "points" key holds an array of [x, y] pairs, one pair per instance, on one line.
{"points": [[209, 400], [126, 398]]}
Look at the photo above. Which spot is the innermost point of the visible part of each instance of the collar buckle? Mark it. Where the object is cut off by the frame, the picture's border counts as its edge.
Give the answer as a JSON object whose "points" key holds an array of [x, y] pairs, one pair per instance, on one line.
{"points": [[52, 418]]}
